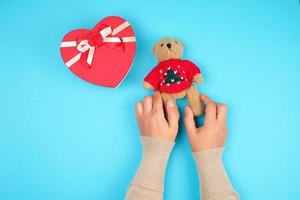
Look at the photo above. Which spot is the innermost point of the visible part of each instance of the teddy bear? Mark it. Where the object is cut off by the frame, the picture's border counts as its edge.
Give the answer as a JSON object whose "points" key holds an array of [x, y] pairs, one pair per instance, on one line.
{"points": [[174, 77]]}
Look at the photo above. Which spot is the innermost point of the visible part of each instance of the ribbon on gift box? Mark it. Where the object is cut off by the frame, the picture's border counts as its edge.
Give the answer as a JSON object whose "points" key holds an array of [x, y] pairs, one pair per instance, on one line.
{"points": [[96, 39]]}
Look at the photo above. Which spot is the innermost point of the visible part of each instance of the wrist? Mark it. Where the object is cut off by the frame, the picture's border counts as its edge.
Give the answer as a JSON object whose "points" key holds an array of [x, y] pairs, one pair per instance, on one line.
{"points": [[209, 155], [214, 180], [155, 146], [155, 156], [155, 151]]}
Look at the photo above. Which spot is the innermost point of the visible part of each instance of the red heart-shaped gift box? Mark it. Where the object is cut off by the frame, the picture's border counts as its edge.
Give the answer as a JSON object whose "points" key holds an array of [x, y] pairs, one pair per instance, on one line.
{"points": [[102, 55]]}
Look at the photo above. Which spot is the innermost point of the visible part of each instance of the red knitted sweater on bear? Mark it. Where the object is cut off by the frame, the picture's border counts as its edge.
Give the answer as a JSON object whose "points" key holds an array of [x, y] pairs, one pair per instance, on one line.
{"points": [[172, 76]]}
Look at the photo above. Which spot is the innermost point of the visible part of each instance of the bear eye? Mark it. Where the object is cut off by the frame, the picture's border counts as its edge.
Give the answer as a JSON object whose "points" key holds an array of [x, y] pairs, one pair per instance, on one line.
{"points": [[162, 44]]}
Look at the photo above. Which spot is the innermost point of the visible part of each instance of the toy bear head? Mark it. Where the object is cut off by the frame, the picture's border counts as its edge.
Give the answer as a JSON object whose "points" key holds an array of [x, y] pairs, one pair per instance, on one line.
{"points": [[168, 48]]}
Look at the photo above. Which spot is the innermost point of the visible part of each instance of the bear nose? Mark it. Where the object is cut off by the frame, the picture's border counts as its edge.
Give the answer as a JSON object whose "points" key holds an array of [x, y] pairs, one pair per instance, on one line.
{"points": [[169, 45]]}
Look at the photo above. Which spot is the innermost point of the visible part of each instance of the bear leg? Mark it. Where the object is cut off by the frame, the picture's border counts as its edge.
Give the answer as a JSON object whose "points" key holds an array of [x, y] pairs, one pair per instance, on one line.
{"points": [[168, 97], [194, 101]]}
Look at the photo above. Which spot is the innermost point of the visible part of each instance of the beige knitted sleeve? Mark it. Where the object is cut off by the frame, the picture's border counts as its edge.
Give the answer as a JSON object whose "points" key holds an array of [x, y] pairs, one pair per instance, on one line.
{"points": [[148, 183], [215, 184]]}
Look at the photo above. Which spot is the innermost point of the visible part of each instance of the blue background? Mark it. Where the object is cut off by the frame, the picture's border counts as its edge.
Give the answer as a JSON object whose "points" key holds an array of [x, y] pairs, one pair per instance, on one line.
{"points": [[63, 138]]}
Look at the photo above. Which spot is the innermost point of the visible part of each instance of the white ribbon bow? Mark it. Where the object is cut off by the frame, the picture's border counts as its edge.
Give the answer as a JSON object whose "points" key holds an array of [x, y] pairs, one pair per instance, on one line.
{"points": [[84, 45]]}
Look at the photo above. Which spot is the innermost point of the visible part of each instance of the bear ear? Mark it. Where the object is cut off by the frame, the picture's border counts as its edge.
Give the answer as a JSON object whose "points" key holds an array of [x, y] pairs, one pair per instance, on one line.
{"points": [[154, 48], [181, 44]]}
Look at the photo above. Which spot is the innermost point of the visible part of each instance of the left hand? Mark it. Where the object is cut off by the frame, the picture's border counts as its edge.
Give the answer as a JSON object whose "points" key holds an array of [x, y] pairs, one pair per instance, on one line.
{"points": [[151, 119], [213, 133]]}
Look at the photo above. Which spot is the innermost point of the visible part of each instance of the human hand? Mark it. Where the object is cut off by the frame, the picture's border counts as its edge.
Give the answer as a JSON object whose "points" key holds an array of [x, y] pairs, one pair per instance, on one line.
{"points": [[151, 119], [213, 133]]}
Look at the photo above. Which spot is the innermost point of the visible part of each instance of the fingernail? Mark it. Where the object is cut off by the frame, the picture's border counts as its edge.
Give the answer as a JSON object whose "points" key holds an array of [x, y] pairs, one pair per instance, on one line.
{"points": [[170, 104]]}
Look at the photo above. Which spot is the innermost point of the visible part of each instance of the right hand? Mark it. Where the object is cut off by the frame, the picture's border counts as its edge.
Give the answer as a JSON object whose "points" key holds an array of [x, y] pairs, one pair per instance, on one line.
{"points": [[213, 133]]}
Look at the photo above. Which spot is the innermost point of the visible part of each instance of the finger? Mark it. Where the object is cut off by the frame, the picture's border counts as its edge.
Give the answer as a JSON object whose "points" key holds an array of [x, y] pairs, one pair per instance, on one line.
{"points": [[210, 110], [172, 114], [147, 104], [157, 102], [221, 112], [138, 109], [138, 114], [189, 121]]}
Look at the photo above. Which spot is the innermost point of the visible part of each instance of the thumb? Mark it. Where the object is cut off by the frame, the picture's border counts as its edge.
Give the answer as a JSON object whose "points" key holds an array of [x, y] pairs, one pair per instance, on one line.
{"points": [[189, 121], [172, 114]]}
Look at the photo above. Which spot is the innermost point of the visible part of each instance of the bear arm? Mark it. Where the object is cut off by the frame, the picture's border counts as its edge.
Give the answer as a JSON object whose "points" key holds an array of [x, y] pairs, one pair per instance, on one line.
{"points": [[192, 69], [198, 78], [148, 86], [152, 80]]}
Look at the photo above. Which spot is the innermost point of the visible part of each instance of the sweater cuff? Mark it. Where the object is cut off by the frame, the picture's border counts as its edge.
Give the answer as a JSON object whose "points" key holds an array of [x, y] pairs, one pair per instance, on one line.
{"points": [[151, 171], [214, 180]]}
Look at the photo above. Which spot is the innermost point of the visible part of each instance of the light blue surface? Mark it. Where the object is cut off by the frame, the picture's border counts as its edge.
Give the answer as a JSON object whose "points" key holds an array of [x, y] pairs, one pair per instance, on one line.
{"points": [[62, 138]]}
